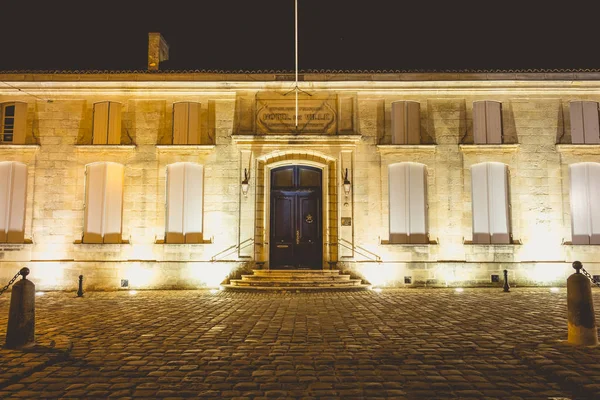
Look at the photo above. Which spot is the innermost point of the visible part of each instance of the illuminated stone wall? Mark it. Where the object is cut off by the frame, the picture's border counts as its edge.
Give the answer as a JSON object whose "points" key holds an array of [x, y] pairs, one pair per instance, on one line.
{"points": [[536, 126]]}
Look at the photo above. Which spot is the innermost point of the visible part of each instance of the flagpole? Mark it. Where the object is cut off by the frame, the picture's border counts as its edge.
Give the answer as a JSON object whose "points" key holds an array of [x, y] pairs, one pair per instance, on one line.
{"points": [[296, 48]]}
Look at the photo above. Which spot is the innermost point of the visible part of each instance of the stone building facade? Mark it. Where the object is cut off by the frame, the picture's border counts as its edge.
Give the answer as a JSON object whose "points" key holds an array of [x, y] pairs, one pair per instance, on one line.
{"points": [[353, 128]]}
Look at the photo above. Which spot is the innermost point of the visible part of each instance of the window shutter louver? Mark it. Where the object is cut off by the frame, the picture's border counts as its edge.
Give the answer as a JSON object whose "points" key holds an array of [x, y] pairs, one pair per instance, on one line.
{"points": [[585, 128], [487, 122], [20, 123], [193, 123], [180, 123], [493, 116], [100, 129], [13, 198], [406, 122], [479, 123], [591, 130], [114, 123], [408, 203]]}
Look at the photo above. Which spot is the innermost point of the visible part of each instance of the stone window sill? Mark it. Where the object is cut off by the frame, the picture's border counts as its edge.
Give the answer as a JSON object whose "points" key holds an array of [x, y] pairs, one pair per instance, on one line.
{"points": [[489, 148], [20, 147], [514, 242], [162, 242], [432, 242], [105, 147], [593, 149], [184, 147], [406, 148], [79, 242]]}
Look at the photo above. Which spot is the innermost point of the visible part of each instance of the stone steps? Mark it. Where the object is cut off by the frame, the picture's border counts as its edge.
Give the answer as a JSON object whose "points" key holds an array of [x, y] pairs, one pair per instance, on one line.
{"points": [[296, 280]]}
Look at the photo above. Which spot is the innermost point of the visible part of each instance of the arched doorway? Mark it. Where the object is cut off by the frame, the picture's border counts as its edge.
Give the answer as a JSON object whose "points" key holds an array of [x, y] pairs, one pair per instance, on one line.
{"points": [[296, 217]]}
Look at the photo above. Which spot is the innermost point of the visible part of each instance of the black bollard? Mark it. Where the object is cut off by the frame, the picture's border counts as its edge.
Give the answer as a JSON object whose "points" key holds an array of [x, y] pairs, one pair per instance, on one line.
{"points": [[80, 290], [580, 309], [21, 315], [506, 286]]}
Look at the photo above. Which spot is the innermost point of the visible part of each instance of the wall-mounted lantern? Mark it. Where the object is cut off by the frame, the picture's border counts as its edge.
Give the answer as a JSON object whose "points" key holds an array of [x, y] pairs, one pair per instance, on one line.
{"points": [[245, 184], [346, 183]]}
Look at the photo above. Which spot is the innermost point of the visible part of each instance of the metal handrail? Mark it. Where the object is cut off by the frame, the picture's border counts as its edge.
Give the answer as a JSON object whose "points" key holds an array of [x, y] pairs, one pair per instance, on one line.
{"points": [[355, 248], [231, 249]]}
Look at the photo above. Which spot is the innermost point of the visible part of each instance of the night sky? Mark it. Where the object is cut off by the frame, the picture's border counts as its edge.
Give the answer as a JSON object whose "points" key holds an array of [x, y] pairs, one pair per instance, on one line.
{"points": [[334, 34]]}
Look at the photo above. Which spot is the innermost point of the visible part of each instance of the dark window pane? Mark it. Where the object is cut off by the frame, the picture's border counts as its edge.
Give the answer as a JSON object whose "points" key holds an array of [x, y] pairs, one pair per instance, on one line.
{"points": [[283, 177], [309, 177], [9, 121], [8, 138], [9, 111]]}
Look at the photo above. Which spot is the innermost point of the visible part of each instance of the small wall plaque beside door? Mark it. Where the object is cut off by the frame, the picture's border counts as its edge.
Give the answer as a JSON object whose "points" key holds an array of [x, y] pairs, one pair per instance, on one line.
{"points": [[346, 221]]}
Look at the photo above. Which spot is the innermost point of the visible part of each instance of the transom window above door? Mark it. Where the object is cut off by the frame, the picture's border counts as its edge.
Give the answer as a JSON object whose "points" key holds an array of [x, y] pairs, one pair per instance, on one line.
{"points": [[296, 176]]}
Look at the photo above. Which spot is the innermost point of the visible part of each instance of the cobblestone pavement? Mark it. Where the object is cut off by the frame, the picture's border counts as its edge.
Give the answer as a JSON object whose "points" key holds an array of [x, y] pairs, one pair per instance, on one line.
{"points": [[400, 343]]}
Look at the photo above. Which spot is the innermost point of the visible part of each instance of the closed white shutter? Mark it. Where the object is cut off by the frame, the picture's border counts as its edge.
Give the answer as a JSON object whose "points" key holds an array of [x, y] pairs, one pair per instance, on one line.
{"points": [[398, 203], [180, 123], [175, 203], [489, 188], [579, 199], [104, 203], [584, 198], [498, 198], [114, 123], [594, 202], [20, 123], [406, 122], [95, 180], [13, 197], [480, 204], [591, 130], [100, 128], [184, 203], [408, 203], [194, 186], [113, 203]]}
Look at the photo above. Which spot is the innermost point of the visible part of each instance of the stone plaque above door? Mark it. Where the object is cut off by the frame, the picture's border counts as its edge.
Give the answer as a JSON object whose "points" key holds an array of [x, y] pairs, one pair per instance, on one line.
{"points": [[276, 113]]}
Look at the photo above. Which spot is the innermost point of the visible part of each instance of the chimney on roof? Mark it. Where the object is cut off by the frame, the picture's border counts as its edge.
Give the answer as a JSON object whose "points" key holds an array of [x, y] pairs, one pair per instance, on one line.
{"points": [[158, 50]]}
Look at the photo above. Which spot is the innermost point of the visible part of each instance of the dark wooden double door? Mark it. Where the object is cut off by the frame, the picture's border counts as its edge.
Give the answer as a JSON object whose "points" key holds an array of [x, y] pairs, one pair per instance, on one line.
{"points": [[296, 240]]}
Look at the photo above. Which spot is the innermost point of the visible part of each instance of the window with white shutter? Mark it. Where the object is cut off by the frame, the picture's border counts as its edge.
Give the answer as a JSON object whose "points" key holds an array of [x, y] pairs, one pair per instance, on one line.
{"points": [[184, 203], [406, 122], [584, 198], [13, 197], [13, 121], [186, 123], [585, 128], [408, 203], [487, 122], [107, 123], [103, 202], [489, 188]]}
